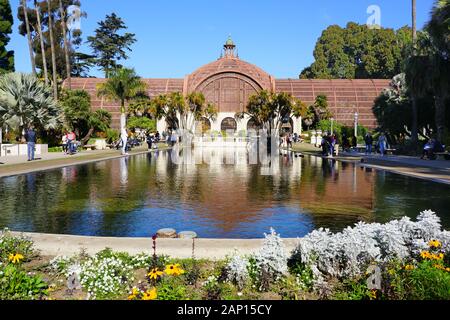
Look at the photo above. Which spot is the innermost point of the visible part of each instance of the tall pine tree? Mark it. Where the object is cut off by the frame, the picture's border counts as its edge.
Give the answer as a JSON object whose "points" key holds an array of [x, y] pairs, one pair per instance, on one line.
{"points": [[6, 22], [108, 45]]}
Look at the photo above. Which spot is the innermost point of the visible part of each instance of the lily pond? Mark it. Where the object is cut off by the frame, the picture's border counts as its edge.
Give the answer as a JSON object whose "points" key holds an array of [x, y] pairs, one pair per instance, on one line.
{"points": [[224, 197]]}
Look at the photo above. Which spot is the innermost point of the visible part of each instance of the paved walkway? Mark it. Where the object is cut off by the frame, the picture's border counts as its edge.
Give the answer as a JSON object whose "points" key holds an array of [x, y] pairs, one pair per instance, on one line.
{"points": [[10, 166], [437, 170]]}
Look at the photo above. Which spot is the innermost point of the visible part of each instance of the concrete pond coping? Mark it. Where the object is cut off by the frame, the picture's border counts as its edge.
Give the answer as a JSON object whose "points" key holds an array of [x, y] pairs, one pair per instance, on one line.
{"points": [[211, 249]]}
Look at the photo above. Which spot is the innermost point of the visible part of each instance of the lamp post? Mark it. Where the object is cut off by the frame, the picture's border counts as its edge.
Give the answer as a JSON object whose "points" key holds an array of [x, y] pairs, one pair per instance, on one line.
{"points": [[356, 124], [332, 122]]}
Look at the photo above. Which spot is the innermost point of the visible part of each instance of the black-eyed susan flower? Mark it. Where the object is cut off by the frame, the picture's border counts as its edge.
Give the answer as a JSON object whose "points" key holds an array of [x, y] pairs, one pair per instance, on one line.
{"points": [[155, 274], [409, 267], [134, 293], [435, 244], [15, 258], [174, 270], [150, 295]]}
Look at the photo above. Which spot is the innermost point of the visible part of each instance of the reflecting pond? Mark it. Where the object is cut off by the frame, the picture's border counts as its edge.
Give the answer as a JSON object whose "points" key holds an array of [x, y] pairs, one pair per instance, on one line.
{"points": [[137, 195]]}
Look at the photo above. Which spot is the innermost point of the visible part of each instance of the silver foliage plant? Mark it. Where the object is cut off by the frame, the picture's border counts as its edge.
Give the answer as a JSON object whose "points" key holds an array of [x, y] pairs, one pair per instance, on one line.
{"points": [[350, 252], [237, 270], [272, 258]]}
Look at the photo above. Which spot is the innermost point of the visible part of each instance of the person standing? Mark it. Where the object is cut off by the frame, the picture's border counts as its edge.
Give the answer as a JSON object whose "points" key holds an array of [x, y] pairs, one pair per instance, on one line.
{"points": [[382, 144], [30, 137], [369, 142], [124, 138], [71, 137], [149, 141]]}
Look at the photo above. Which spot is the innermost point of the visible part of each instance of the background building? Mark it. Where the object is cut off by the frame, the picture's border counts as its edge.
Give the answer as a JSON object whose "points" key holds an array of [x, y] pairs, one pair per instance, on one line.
{"points": [[230, 81]]}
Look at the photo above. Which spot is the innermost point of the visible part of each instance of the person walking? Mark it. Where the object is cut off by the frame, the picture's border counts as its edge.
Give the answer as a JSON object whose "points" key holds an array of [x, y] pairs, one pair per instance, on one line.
{"points": [[64, 142], [124, 138], [30, 138], [369, 142], [382, 144]]}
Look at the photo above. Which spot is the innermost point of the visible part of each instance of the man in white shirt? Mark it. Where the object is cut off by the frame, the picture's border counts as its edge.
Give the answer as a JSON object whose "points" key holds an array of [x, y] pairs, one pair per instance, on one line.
{"points": [[124, 138]]}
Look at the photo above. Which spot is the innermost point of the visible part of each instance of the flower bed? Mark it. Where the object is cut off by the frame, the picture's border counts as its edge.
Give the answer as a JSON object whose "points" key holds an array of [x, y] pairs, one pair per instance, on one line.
{"points": [[401, 259]]}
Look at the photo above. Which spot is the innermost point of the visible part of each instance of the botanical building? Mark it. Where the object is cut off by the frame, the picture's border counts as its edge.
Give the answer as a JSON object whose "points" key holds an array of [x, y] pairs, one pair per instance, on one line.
{"points": [[229, 81]]}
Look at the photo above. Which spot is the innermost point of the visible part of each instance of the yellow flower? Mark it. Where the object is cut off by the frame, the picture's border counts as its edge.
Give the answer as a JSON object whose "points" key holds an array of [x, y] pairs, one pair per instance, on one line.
{"points": [[134, 294], [174, 270], [409, 267], [435, 244], [15, 258], [373, 294], [425, 255], [155, 273], [441, 256], [150, 295]]}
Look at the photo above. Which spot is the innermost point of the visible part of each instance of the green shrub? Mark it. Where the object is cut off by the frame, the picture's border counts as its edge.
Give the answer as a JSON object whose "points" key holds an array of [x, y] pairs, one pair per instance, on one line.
{"points": [[55, 149], [15, 245], [15, 284], [172, 288], [424, 282]]}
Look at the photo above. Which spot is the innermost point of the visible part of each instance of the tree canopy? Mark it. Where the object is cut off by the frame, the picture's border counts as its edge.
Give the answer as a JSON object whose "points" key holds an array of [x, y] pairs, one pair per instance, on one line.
{"points": [[108, 45], [359, 52], [74, 35], [6, 22]]}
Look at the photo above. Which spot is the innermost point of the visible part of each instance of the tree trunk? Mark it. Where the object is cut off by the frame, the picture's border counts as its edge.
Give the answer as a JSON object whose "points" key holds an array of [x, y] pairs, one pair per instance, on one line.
{"points": [[414, 125], [123, 116], [440, 117], [30, 43], [52, 43], [87, 137], [414, 23], [66, 44], [41, 37]]}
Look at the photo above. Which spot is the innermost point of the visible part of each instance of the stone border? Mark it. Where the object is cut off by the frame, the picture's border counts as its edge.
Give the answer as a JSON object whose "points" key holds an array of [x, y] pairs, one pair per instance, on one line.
{"points": [[213, 249]]}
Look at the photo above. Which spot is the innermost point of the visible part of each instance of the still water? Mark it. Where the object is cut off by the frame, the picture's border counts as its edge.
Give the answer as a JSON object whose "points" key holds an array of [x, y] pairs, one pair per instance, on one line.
{"points": [[138, 195]]}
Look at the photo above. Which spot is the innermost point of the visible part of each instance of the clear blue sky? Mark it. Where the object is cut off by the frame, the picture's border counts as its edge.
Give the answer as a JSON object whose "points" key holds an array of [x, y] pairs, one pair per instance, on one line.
{"points": [[176, 37]]}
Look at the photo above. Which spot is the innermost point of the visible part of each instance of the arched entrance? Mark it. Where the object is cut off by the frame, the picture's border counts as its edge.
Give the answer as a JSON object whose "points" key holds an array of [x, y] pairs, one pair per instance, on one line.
{"points": [[253, 126], [203, 126], [228, 124], [288, 126]]}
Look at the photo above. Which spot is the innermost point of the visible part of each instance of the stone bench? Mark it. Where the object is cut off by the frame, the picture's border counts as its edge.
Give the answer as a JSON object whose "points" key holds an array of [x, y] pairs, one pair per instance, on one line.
{"points": [[390, 151], [89, 147], [442, 155]]}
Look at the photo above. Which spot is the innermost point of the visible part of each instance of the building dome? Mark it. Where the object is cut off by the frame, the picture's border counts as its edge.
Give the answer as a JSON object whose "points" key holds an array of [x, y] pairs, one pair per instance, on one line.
{"points": [[231, 66]]}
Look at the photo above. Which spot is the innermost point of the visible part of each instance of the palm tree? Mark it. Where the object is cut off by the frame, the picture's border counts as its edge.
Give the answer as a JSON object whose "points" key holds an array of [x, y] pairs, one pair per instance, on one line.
{"points": [[439, 30], [25, 100], [66, 44], [412, 65], [270, 110], [52, 45], [41, 37], [414, 22], [124, 85], [30, 43]]}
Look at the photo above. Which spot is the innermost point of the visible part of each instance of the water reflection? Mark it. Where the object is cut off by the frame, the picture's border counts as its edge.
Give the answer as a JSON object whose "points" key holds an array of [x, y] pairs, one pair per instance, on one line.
{"points": [[220, 197]]}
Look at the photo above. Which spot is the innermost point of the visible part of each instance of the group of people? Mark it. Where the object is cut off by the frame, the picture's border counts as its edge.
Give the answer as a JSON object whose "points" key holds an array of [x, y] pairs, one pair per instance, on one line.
{"points": [[381, 145], [330, 145], [430, 149], [152, 140], [69, 142]]}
